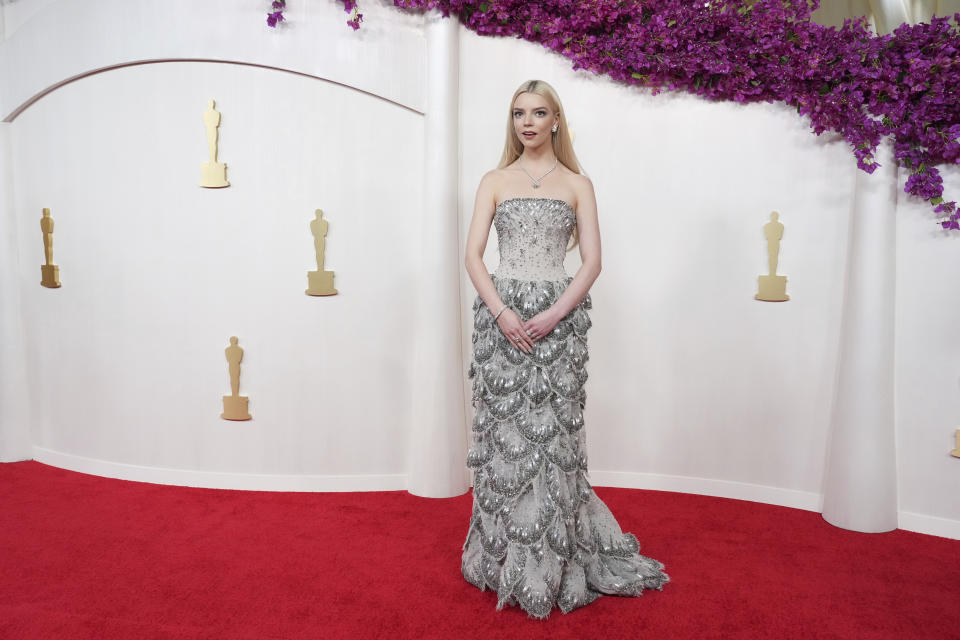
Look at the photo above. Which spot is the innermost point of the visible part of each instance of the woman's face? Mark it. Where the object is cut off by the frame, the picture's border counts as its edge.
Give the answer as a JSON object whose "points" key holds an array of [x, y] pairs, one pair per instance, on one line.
{"points": [[533, 119]]}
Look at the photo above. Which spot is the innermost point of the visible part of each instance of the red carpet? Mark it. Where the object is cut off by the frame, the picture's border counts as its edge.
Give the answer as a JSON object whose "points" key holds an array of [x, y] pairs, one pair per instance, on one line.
{"points": [[89, 557]]}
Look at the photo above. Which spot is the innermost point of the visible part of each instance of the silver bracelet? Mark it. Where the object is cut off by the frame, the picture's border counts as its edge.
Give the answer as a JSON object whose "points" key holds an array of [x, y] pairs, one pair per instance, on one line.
{"points": [[499, 312]]}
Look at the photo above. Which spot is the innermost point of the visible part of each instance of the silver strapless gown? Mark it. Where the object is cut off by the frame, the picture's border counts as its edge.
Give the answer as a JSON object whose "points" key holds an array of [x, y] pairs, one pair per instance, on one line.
{"points": [[539, 536]]}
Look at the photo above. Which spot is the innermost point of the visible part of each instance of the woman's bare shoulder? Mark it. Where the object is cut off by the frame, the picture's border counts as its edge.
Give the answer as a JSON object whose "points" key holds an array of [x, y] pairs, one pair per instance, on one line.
{"points": [[579, 179], [580, 183], [582, 188], [490, 185], [576, 181], [494, 177]]}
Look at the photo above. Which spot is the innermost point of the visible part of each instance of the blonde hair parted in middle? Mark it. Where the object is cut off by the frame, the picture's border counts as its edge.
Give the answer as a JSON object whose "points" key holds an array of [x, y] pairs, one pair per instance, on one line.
{"points": [[562, 144]]}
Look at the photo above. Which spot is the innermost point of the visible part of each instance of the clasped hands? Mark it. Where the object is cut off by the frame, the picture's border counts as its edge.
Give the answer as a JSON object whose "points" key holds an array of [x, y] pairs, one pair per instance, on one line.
{"points": [[522, 334]]}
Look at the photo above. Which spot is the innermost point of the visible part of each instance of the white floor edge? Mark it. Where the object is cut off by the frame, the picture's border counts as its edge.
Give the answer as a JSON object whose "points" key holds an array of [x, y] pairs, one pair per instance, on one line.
{"points": [[805, 500], [809, 501], [931, 525], [218, 479]]}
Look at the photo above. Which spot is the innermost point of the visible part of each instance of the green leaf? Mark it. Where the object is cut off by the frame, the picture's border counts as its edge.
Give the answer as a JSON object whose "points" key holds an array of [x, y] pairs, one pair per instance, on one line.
{"points": [[536, 28], [887, 121], [567, 39], [484, 7], [671, 23], [937, 200]]}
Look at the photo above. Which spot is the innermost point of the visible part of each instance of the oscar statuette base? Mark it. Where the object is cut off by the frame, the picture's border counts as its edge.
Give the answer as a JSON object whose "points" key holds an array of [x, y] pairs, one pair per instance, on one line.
{"points": [[772, 289], [320, 283], [214, 175], [50, 276], [956, 452], [235, 408]]}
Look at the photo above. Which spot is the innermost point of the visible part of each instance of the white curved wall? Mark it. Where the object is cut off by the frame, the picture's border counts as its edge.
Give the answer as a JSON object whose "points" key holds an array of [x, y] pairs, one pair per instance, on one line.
{"points": [[694, 386], [928, 367], [127, 358], [15, 417]]}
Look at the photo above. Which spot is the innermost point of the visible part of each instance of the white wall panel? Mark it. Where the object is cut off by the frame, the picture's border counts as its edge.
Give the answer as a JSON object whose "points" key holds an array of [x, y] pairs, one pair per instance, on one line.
{"points": [[15, 13], [157, 272], [928, 359], [15, 418]]}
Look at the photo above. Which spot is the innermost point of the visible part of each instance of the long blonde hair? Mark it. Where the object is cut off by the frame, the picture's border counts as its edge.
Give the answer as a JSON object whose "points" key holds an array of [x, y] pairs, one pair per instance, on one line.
{"points": [[562, 144]]}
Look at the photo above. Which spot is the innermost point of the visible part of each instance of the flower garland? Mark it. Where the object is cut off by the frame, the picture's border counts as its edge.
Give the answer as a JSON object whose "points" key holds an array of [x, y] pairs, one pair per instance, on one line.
{"points": [[848, 80], [350, 6]]}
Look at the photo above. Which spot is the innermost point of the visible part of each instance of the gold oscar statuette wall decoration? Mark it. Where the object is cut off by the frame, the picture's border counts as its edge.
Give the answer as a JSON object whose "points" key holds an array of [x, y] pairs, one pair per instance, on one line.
{"points": [[49, 272], [773, 288], [320, 282], [956, 450], [213, 174], [235, 406]]}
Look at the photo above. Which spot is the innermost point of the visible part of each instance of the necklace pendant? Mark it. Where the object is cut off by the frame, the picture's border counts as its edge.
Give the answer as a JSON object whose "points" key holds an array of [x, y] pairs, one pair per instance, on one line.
{"points": [[536, 185]]}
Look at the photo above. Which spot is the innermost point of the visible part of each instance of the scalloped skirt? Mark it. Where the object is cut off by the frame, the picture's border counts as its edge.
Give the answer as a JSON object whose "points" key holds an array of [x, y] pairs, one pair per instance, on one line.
{"points": [[538, 535]]}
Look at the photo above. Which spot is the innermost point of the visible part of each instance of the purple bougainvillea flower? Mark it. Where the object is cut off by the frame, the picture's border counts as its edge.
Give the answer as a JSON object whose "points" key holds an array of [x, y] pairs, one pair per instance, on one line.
{"points": [[845, 80], [274, 18]]}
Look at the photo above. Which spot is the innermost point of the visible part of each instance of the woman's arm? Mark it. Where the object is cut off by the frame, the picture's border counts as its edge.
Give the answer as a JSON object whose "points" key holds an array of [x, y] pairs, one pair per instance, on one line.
{"points": [[483, 209]]}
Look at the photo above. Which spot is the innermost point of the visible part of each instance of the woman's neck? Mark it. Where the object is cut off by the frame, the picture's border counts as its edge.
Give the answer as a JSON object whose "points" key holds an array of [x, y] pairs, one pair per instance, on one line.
{"points": [[543, 155]]}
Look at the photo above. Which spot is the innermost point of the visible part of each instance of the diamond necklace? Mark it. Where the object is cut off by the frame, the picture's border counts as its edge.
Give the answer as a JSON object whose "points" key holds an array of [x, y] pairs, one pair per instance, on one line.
{"points": [[536, 181]]}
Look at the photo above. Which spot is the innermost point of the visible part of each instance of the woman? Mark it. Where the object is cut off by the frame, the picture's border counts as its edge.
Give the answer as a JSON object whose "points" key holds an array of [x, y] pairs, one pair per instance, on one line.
{"points": [[538, 534]]}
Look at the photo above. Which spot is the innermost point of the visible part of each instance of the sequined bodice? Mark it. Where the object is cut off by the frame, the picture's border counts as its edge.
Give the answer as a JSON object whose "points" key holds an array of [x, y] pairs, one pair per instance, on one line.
{"points": [[533, 234]]}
